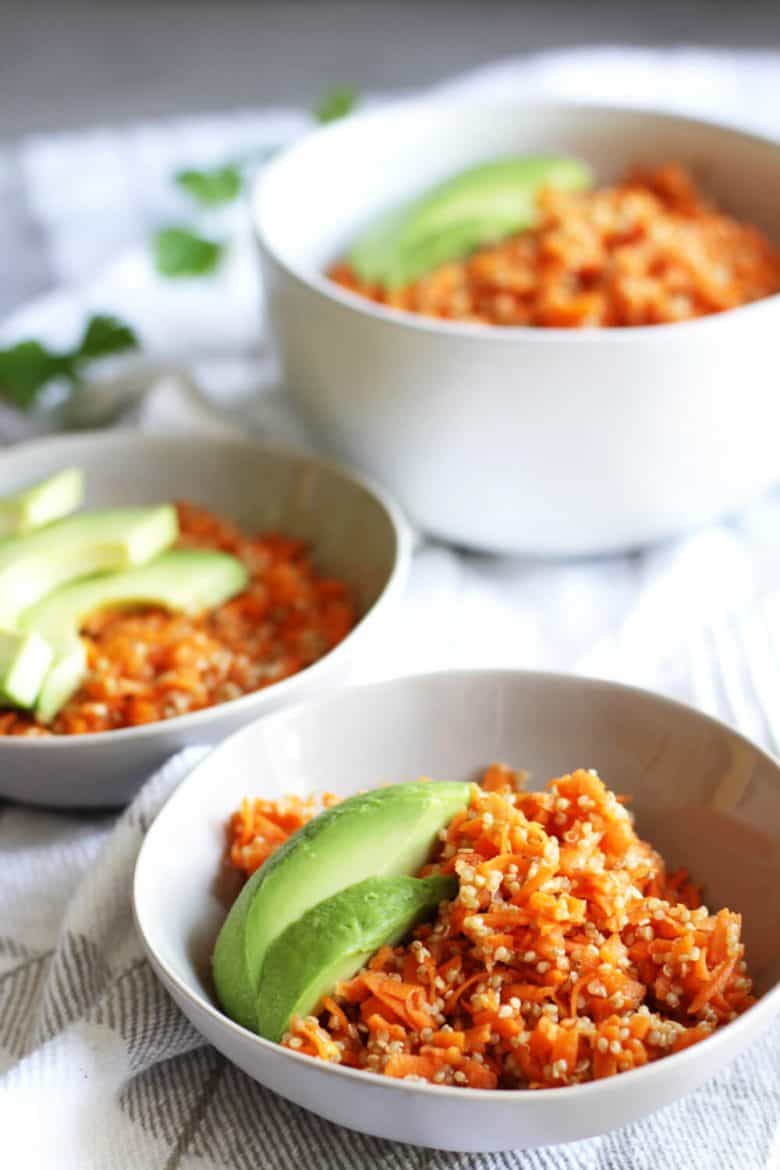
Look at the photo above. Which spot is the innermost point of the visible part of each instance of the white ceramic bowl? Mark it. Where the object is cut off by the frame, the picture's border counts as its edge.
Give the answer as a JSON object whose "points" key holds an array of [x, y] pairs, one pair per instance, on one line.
{"points": [[549, 441], [705, 796], [355, 532]]}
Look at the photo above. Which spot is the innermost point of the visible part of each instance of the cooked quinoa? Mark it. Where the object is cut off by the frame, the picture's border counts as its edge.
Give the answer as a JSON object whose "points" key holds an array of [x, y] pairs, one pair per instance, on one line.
{"points": [[148, 664], [569, 953], [649, 251]]}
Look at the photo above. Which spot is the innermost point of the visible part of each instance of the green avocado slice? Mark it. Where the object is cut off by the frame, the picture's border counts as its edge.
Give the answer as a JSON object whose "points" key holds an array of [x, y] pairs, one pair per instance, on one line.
{"points": [[24, 660], [42, 502], [185, 580], [89, 542], [479, 206], [387, 832], [334, 939]]}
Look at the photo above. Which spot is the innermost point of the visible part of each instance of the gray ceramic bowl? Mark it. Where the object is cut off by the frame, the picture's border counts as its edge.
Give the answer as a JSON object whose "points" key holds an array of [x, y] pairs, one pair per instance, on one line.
{"points": [[702, 794], [355, 533]]}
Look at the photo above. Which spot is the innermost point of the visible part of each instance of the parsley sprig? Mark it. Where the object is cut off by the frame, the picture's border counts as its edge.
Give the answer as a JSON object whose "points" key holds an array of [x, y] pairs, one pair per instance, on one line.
{"points": [[29, 366], [210, 188], [335, 103], [179, 251]]}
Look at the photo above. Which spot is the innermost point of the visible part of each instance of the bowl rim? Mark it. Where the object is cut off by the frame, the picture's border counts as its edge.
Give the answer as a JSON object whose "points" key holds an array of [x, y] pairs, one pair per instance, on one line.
{"points": [[468, 331], [392, 587], [767, 1007]]}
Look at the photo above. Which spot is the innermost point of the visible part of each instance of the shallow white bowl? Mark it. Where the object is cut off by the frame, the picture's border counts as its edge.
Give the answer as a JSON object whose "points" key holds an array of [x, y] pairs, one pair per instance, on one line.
{"points": [[355, 532], [705, 796], [517, 439]]}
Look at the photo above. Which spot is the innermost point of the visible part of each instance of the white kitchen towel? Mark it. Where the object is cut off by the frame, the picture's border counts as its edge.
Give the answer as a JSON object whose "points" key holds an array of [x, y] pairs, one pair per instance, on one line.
{"points": [[97, 1068]]}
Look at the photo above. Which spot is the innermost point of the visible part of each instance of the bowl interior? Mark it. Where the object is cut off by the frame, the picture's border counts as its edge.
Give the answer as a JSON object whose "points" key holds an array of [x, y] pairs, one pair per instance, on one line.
{"points": [[376, 161], [350, 531], [704, 796]]}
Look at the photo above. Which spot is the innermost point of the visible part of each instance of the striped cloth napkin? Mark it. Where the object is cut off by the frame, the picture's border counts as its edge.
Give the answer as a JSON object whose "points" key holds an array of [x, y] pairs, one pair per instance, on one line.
{"points": [[98, 1069]]}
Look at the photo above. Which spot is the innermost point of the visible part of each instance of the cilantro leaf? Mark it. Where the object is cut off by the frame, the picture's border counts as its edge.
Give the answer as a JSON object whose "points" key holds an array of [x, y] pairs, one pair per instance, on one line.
{"points": [[180, 252], [27, 367], [210, 188], [335, 103], [104, 336]]}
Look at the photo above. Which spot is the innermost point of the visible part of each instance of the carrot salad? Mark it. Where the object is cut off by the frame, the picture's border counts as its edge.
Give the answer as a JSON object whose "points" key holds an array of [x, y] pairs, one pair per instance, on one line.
{"points": [[569, 953], [649, 251], [148, 664]]}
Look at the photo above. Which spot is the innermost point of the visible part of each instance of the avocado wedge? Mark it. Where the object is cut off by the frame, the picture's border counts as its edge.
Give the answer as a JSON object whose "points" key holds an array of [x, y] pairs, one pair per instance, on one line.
{"points": [[477, 207], [41, 503], [34, 565], [24, 660], [387, 832], [185, 580], [334, 939]]}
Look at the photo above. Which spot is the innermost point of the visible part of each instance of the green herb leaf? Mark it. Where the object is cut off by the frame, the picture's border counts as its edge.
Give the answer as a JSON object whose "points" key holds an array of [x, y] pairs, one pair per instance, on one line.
{"points": [[180, 252], [335, 103], [103, 337], [210, 188], [25, 369]]}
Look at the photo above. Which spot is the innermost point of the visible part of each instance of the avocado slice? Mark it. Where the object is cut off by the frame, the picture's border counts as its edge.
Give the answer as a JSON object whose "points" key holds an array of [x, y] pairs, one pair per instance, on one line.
{"points": [[89, 542], [186, 580], [24, 660], [477, 207], [41, 503], [337, 937], [387, 832]]}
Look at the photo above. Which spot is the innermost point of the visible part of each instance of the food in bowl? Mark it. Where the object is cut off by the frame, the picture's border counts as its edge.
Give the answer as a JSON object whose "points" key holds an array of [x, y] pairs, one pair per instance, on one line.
{"points": [[42, 502], [562, 951], [481, 204], [649, 250], [417, 400], [128, 616]]}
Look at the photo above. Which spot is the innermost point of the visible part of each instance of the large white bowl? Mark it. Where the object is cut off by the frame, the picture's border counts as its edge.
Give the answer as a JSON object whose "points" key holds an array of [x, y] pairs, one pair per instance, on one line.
{"points": [[355, 532], [705, 796], [519, 439]]}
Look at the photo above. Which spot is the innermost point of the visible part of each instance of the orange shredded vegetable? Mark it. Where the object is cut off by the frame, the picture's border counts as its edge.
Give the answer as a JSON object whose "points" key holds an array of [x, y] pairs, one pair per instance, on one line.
{"points": [[259, 827], [146, 664], [650, 250], [569, 954]]}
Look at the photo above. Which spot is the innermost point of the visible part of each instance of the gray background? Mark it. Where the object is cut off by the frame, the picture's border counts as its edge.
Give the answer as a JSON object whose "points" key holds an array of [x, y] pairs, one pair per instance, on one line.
{"points": [[69, 63]]}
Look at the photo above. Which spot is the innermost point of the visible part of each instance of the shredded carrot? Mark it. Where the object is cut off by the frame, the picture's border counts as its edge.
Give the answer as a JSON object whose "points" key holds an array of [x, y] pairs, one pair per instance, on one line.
{"points": [[650, 250], [717, 983], [146, 664], [259, 827], [568, 954]]}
